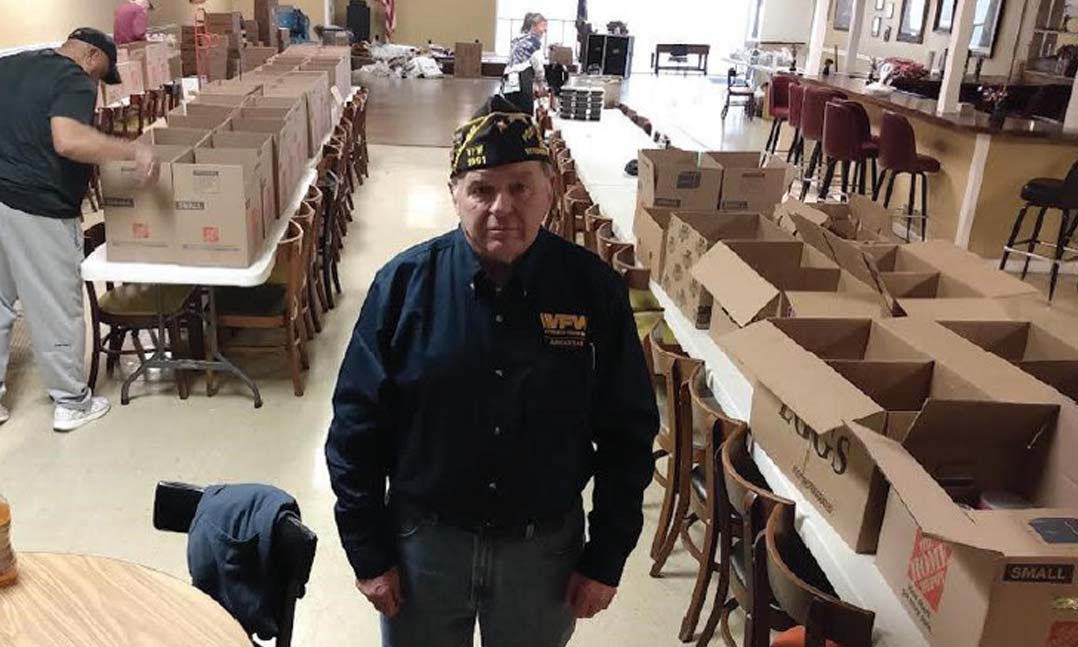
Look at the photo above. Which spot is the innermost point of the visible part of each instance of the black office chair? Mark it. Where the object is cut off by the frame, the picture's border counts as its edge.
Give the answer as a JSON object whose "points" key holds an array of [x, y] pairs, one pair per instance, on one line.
{"points": [[294, 545]]}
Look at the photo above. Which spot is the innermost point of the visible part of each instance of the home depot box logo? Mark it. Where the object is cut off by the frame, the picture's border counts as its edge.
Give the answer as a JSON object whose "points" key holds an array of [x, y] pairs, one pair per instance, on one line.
{"points": [[928, 568]]}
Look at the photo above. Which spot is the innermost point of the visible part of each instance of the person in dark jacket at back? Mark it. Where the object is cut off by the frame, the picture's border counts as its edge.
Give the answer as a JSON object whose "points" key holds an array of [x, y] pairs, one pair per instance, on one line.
{"points": [[48, 146], [493, 372]]}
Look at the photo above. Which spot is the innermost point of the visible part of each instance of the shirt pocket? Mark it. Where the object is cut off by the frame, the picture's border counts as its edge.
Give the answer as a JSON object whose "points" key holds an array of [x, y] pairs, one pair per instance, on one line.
{"points": [[564, 380]]}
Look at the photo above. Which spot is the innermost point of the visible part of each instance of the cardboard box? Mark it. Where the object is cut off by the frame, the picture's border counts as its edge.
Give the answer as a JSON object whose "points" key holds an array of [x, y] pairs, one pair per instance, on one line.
{"points": [[219, 202], [199, 116], [225, 23], [677, 179], [468, 60], [861, 220], [932, 269], [340, 73], [175, 67], [983, 578], [690, 235], [313, 88], [561, 55], [153, 58], [749, 186], [822, 386], [131, 75], [250, 31], [262, 143], [289, 156], [111, 95]]}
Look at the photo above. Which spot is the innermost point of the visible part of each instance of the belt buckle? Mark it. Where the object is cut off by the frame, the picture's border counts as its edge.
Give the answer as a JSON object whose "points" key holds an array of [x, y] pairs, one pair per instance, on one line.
{"points": [[529, 531]]}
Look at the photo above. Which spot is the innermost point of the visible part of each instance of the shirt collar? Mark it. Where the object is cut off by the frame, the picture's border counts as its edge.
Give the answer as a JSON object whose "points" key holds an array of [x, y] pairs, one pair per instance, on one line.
{"points": [[525, 270]]}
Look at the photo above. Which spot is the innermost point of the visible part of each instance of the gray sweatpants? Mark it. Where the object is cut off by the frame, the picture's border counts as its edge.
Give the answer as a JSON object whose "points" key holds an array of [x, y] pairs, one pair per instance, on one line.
{"points": [[40, 261]]}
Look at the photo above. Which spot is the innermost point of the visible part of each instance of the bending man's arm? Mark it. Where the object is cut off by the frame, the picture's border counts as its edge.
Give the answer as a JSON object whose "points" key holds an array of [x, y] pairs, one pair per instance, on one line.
{"points": [[81, 143]]}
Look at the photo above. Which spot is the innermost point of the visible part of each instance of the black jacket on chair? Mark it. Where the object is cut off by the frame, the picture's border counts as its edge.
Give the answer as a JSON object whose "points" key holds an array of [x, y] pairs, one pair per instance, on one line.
{"points": [[229, 550]]}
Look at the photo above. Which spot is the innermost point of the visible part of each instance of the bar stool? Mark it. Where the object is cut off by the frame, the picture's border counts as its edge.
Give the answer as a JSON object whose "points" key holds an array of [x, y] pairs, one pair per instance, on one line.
{"points": [[870, 144], [841, 145], [1046, 193], [778, 104], [898, 154], [797, 99], [812, 115]]}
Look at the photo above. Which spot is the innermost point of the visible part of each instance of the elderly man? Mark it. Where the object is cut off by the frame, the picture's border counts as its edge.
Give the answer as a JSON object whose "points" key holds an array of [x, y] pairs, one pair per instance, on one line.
{"points": [[47, 149], [493, 371]]}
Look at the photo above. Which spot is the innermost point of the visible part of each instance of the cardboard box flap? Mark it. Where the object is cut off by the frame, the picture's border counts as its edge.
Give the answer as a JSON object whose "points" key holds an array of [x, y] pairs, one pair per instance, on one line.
{"points": [[872, 216], [895, 385], [834, 304], [930, 505], [822, 397], [845, 338], [736, 159], [741, 291], [969, 269], [812, 232]]}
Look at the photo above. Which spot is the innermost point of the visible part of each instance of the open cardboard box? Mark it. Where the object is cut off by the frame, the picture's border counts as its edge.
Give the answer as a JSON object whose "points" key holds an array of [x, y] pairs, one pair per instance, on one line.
{"points": [[709, 180], [199, 116], [861, 219], [313, 87], [649, 229], [749, 185], [752, 280], [285, 119], [814, 379], [219, 201], [690, 236]]}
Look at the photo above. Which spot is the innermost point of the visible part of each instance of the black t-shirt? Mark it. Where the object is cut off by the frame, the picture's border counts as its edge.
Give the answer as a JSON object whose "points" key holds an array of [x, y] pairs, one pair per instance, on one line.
{"points": [[37, 86]]}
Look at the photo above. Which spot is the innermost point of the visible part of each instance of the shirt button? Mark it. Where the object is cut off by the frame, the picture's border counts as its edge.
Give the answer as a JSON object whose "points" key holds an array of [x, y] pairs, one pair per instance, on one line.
{"points": [[497, 431], [499, 318], [493, 486], [499, 372]]}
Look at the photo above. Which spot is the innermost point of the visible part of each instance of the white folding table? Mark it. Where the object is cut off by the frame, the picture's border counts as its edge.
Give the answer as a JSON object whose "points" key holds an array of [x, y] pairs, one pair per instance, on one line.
{"points": [[600, 150], [97, 267]]}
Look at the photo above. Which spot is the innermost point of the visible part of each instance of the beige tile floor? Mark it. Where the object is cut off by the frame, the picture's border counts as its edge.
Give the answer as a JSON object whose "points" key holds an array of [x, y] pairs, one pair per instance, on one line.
{"points": [[92, 491]]}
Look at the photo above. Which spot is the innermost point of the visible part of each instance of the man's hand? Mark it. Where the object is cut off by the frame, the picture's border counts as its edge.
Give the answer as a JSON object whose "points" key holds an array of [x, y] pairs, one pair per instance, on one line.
{"points": [[384, 592], [588, 597], [146, 163]]}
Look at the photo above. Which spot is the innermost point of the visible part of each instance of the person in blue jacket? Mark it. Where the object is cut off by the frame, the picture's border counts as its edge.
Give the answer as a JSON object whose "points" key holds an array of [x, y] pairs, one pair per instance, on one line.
{"points": [[492, 373]]}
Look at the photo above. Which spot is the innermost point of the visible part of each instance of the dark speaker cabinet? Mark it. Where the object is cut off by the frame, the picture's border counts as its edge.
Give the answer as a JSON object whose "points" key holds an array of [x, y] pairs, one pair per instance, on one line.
{"points": [[359, 20], [612, 54]]}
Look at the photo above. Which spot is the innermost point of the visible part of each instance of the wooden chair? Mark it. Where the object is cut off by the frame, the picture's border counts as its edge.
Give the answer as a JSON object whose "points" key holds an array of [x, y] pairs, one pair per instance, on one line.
{"points": [[789, 569], [637, 280], [293, 549], [675, 443], [330, 244], [608, 244], [743, 500], [711, 427], [342, 138], [342, 212], [130, 309], [574, 204], [740, 90], [304, 216], [361, 101], [273, 306], [593, 219], [316, 286]]}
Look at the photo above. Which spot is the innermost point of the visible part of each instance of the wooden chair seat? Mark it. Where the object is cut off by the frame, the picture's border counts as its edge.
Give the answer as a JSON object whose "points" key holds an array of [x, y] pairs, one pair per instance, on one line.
{"points": [[795, 637], [645, 321], [264, 301], [644, 301], [140, 300]]}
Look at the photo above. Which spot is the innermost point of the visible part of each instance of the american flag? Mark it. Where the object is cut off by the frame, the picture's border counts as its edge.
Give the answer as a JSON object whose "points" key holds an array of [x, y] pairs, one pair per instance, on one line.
{"points": [[391, 17]]}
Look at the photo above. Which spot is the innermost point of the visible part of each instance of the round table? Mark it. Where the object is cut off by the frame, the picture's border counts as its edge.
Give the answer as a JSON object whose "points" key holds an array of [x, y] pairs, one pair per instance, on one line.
{"points": [[64, 600]]}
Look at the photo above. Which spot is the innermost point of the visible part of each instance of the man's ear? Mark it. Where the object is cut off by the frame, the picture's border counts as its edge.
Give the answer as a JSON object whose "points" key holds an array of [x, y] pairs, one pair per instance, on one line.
{"points": [[452, 186]]}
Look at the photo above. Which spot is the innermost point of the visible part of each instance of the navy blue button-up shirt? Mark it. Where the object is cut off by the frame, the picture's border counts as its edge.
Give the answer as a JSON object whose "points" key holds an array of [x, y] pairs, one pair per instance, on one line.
{"points": [[493, 406]]}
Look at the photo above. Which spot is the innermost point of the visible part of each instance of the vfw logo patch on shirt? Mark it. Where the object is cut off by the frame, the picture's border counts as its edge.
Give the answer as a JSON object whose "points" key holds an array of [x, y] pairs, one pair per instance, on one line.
{"points": [[564, 330]]}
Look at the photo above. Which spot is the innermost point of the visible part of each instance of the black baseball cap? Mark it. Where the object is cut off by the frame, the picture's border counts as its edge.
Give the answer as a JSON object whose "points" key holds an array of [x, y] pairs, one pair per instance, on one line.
{"points": [[103, 42]]}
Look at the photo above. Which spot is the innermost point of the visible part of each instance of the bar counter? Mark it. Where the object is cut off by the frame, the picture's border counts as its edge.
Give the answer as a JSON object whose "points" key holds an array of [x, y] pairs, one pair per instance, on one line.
{"points": [[974, 198]]}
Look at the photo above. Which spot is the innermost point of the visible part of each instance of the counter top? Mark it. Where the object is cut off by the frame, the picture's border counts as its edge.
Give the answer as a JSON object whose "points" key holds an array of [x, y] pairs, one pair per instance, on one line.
{"points": [[918, 107]]}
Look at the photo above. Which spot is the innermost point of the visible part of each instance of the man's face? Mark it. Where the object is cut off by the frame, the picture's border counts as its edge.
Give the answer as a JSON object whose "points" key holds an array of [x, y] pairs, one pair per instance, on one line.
{"points": [[501, 209]]}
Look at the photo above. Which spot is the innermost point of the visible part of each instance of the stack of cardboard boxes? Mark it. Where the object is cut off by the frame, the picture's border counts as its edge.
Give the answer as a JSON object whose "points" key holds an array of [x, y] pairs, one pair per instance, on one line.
{"points": [[229, 26], [266, 17], [216, 54], [232, 161]]}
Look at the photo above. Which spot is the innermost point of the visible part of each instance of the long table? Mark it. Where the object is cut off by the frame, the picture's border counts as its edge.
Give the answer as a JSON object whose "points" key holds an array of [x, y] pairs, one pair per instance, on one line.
{"points": [[98, 267], [600, 150]]}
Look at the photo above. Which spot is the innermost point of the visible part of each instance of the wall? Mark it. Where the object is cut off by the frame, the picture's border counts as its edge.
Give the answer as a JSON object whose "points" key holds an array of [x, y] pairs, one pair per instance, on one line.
{"points": [[1000, 63], [179, 12], [443, 21], [41, 21]]}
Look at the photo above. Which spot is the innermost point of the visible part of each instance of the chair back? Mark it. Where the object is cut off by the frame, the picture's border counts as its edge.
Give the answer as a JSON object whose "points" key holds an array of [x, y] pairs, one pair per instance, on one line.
{"points": [[797, 99], [710, 425], [779, 96], [812, 110], [305, 217], [294, 546], [637, 277], [1069, 197], [576, 201], [824, 616], [898, 145], [290, 259], [607, 243], [860, 115], [593, 219], [841, 137], [674, 367]]}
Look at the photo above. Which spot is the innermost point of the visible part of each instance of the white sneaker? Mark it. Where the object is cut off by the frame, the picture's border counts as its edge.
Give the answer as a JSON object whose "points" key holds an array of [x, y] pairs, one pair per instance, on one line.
{"points": [[5, 415], [65, 419]]}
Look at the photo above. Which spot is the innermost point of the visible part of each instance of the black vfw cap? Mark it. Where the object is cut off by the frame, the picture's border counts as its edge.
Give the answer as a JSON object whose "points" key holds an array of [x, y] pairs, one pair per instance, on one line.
{"points": [[497, 135]]}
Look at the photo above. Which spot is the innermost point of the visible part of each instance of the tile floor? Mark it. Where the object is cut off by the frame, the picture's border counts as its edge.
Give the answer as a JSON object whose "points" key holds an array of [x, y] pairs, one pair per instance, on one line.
{"points": [[92, 491]]}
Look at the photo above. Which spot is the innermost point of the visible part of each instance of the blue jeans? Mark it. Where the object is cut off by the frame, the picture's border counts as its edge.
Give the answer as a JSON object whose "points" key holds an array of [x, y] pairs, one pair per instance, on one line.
{"points": [[515, 586]]}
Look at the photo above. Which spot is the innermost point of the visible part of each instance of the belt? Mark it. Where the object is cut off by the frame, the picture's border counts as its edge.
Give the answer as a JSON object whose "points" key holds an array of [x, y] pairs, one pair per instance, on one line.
{"points": [[517, 530]]}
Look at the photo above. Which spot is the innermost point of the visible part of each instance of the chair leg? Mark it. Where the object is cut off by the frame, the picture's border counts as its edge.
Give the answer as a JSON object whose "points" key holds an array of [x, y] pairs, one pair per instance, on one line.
{"points": [[313, 300], [175, 342], [910, 205], [845, 180], [792, 153], [726, 106], [924, 205], [292, 349], [828, 176], [1065, 231], [1018, 220], [301, 342], [95, 357], [703, 580], [877, 184], [890, 188], [875, 177], [681, 508], [814, 161], [1034, 239], [667, 511]]}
